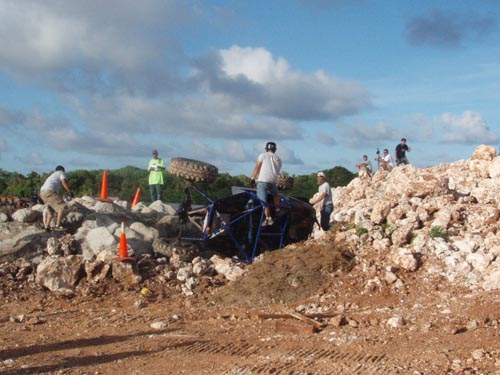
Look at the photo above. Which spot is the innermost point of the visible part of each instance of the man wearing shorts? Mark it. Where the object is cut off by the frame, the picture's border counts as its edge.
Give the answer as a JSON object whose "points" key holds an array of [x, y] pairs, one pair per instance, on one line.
{"points": [[51, 197], [266, 173]]}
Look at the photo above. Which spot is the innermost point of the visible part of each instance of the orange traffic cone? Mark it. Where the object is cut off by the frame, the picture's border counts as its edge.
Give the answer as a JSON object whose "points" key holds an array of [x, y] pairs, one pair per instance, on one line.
{"points": [[104, 188], [136, 197], [123, 250], [123, 243]]}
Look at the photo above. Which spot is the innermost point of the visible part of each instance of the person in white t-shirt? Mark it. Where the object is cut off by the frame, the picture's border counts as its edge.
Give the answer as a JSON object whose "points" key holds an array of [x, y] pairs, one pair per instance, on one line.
{"points": [[365, 167], [266, 172], [49, 192], [386, 162], [324, 198]]}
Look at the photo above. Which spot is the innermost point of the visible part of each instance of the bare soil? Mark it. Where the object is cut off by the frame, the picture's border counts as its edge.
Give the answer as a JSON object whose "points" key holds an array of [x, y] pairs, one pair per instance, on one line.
{"points": [[428, 326]]}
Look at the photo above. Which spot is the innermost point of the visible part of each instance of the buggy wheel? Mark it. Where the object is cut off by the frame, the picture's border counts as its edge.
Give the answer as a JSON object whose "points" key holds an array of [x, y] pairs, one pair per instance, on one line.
{"points": [[193, 170]]}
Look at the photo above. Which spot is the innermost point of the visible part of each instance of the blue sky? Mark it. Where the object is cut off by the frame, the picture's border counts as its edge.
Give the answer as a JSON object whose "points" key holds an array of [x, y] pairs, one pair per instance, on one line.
{"points": [[99, 84]]}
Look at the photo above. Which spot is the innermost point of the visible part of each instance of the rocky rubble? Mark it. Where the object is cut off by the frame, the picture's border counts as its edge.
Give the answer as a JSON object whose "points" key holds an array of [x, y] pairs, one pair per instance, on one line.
{"points": [[442, 220], [89, 251]]}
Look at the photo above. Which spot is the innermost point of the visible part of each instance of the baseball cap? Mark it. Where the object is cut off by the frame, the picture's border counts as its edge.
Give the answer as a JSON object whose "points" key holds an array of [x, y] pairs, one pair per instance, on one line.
{"points": [[321, 174]]}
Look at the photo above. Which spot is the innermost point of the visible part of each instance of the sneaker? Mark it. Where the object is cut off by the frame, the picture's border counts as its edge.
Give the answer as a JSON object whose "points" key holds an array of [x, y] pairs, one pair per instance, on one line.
{"points": [[59, 228], [270, 221], [264, 222]]}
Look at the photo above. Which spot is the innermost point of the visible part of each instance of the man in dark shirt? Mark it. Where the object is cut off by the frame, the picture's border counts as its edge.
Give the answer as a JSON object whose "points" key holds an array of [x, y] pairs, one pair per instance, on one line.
{"points": [[401, 152]]}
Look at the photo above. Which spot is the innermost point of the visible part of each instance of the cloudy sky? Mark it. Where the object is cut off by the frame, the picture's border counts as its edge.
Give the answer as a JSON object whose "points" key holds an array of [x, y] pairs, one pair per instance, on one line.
{"points": [[98, 84]]}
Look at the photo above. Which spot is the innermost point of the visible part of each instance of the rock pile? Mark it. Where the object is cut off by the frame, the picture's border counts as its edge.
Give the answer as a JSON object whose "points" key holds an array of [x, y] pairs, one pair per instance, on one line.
{"points": [[61, 261], [442, 220]]}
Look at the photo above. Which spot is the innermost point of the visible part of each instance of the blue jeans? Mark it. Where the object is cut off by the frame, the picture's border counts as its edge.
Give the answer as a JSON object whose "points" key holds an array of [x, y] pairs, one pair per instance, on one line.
{"points": [[263, 188], [155, 191], [326, 212]]}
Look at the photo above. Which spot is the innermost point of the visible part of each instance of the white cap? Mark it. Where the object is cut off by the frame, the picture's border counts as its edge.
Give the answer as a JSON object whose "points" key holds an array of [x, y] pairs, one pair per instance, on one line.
{"points": [[321, 174]]}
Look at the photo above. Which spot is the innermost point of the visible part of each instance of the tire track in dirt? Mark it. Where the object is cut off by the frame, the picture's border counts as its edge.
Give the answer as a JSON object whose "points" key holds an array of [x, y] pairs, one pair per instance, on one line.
{"points": [[273, 360]]}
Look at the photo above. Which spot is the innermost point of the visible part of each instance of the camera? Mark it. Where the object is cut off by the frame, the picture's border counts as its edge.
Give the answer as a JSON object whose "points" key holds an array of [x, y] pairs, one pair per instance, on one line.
{"points": [[378, 152]]}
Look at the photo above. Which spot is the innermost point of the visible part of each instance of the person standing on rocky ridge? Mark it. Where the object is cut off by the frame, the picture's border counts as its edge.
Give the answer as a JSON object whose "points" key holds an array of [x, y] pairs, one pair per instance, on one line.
{"points": [[156, 167], [324, 198], [49, 192], [401, 149], [386, 161], [365, 167]]}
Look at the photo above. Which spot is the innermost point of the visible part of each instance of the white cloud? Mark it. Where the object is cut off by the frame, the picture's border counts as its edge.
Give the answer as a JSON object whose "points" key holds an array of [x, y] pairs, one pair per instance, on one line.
{"points": [[113, 75], [90, 44], [256, 82], [255, 64], [468, 128]]}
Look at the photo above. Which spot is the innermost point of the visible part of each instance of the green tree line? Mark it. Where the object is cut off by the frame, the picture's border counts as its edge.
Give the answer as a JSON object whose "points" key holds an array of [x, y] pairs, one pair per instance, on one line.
{"points": [[124, 182]]}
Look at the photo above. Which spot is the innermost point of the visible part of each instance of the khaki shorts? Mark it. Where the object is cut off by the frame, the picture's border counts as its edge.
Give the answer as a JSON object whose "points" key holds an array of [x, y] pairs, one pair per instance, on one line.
{"points": [[53, 200]]}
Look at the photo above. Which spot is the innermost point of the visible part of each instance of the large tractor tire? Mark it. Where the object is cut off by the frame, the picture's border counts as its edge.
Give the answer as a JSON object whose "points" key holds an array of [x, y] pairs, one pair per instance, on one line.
{"points": [[285, 182], [193, 170]]}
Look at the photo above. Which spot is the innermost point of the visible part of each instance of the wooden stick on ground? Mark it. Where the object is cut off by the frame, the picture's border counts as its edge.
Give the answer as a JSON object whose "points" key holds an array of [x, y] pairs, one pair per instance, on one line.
{"points": [[301, 317], [284, 316]]}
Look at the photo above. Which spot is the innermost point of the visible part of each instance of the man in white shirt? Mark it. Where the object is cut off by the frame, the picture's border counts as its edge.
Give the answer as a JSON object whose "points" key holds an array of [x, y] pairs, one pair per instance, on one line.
{"points": [[49, 193], [266, 172], [325, 200], [365, 167], [386, 162]]}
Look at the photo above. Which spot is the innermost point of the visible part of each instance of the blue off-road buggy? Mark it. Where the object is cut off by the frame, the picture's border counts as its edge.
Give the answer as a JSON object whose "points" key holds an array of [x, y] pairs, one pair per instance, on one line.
{"points": [[233, 224]]}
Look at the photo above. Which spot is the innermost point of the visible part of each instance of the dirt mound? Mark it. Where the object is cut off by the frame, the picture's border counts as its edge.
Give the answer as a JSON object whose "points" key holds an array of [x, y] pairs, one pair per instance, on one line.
{"points": [[288, 275]]}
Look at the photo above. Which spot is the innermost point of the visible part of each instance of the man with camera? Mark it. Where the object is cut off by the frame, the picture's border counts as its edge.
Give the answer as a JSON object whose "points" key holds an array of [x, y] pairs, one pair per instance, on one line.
{"points": [[385, 162]]}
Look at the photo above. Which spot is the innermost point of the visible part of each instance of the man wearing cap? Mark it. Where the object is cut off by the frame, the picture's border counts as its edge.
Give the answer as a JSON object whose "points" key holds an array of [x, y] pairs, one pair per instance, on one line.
{"points": [[49, 192], [324, 199], [156, 167]]}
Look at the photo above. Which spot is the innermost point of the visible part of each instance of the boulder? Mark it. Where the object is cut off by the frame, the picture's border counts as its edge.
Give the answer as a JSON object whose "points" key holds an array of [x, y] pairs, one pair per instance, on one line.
{"points": [[26, 215], [126, 272], [60, 274], [99, 238]]}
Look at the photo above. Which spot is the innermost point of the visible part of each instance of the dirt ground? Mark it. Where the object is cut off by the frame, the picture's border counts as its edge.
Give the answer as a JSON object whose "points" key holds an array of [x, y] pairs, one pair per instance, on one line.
{"points": [[425, 326]]}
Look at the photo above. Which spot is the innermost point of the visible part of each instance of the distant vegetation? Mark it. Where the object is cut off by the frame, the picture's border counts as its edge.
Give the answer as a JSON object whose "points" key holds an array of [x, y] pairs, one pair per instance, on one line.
{"points": [[123, 183]]}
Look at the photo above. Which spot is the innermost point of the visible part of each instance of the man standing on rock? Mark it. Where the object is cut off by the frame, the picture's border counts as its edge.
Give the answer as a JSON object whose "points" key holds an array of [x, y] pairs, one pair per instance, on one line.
{"points": [[266, 172], [156, 167], [51, 197], [324, 198], [401, 152]]}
